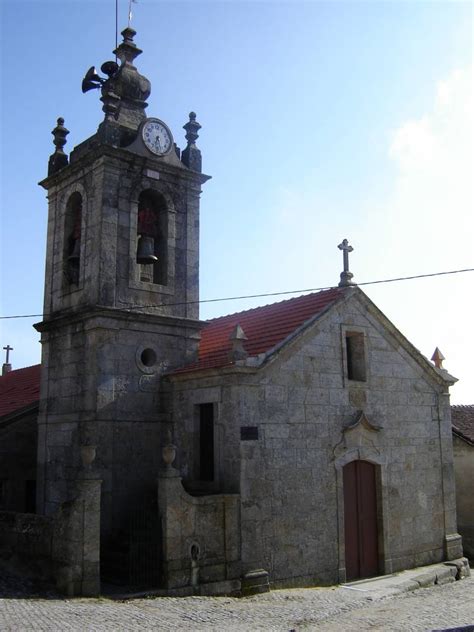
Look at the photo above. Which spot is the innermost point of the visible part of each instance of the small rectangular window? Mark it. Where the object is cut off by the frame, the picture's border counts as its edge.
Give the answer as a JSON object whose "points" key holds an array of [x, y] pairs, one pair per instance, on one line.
{"points": [[355, 354], [249, 433], [30, 496], [206, 442]]}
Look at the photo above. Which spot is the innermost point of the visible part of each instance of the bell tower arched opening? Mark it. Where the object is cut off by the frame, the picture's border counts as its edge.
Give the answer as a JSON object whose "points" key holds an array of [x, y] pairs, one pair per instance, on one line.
{"points": [[152, 238], [72, 240]]}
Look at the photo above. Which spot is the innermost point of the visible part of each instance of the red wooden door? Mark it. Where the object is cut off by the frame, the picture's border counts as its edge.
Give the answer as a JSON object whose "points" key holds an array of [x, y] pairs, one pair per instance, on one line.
{"points": [[360, 520]]}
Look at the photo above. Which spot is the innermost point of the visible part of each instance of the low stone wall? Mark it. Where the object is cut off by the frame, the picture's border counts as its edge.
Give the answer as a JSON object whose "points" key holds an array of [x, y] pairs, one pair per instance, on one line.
{"points": [[64, 547], [201, 541], [76, 542], [26, 542]]}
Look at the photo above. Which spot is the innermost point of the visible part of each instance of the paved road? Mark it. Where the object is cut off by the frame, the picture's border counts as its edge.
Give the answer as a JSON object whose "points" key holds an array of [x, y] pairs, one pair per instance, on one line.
{"points": [[328, 609]]}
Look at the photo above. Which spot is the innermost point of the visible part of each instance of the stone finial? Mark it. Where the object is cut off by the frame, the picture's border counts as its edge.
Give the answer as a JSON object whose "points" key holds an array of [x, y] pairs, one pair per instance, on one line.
{"points": [[168, 451], [237, 338], [7, 367], [192, 128], [127, 50], [437, 358], [191, 156], [88, 454], [346, 275], [59, 159]]}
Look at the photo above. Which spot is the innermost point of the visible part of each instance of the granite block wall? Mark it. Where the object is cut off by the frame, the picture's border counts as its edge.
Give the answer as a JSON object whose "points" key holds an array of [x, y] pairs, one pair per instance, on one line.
{"points": [[26, 543], [464, 473], [18, 463], [63, 547], [201, 535]]}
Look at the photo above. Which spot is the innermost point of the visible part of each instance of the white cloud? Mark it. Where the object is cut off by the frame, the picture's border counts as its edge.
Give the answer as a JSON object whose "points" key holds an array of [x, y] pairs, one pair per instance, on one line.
{"points": [[414, 145], [427, 225], [434, 153]]}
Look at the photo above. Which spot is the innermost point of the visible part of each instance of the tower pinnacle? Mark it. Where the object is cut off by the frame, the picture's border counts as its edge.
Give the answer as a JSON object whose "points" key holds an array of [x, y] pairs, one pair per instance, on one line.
{"points": [[124, 93]]}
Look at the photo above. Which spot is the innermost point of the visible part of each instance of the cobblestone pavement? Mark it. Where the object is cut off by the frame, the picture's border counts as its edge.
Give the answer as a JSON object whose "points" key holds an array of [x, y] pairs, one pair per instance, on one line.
{"points": [[283, 610]]}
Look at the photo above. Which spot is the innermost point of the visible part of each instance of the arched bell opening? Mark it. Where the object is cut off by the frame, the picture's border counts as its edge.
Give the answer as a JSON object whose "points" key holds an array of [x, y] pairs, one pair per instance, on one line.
{"points": [[152, 238], [72, 239]]}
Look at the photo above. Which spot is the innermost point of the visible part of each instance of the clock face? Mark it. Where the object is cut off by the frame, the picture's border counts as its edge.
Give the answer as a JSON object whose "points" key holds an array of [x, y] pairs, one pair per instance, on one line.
{"points": [[157, 137]]}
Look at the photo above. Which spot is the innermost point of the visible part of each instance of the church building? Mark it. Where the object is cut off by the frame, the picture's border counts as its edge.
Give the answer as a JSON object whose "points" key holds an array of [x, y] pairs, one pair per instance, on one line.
{"points": [[301, 443]]}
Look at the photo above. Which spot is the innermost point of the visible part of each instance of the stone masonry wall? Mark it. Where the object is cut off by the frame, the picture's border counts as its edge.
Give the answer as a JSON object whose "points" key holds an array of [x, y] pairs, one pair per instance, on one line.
{"points": [[26, 542], [18, 441], [105, 396], [64, 547], [464, 471], [200, 535]]}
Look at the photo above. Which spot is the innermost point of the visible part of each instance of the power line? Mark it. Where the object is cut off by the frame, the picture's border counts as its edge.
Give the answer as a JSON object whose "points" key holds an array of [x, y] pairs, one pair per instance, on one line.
{"points": [[267, 294]]}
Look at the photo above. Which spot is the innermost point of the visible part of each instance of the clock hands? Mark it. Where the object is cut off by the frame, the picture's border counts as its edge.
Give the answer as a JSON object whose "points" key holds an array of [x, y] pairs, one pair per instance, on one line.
{"points": [[158, 142]]}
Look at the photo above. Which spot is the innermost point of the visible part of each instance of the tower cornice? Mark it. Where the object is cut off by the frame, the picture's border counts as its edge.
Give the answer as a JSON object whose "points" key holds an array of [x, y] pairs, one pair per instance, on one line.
{"points": [[97, 313], [95, 152]]}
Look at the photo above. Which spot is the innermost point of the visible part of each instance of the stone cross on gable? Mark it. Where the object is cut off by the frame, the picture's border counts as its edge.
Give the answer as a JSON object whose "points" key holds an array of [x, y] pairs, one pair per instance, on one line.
{"points": [[8, 349], [346, 275], [7, 367]]}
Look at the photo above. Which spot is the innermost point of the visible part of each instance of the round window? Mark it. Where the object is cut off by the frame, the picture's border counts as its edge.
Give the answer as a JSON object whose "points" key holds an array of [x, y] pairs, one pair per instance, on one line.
{"points": [[148, 357]]}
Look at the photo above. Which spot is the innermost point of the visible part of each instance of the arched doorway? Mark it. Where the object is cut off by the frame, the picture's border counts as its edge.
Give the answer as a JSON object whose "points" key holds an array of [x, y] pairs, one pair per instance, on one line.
{"points": [[360, 520]]}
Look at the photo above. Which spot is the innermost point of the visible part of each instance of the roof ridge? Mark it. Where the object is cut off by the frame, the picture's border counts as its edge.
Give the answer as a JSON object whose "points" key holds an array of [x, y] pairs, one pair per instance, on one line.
{"points": [[23, 368], [285, 300], [267, 327]]}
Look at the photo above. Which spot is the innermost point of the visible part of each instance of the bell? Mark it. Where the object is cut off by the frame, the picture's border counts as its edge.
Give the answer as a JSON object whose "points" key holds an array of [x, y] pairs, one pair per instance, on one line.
{"points": [[146, 250], [76, 252]]}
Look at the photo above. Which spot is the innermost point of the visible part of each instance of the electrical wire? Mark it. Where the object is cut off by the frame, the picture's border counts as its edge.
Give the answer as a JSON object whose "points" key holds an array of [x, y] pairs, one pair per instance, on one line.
{"points": [[267, 294]]}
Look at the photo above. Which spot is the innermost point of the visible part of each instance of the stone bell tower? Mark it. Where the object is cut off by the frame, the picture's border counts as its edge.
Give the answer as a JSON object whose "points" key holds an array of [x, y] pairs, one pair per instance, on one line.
{"points": [[121, 292]]}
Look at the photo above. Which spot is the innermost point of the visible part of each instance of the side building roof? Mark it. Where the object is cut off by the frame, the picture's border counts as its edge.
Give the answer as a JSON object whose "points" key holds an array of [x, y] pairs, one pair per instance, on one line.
{"points": [[462, 418], [19, 389]]}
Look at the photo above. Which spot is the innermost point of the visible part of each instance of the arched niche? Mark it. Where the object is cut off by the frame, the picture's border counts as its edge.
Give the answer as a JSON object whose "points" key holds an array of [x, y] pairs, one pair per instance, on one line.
{"points": [[152, 237], [72, 239]]}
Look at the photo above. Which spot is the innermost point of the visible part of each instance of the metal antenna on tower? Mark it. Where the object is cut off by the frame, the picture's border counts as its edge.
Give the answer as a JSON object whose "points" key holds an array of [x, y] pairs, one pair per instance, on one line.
{"points": [[116, 27]]}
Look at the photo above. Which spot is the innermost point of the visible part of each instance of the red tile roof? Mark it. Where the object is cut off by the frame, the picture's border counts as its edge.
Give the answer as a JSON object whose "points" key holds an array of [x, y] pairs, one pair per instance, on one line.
{"points": [[19, 389], [265, 327], [462, 418]]}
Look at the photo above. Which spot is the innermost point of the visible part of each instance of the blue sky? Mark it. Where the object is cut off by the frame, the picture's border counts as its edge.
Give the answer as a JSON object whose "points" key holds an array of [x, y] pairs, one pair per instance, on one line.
{"points": [[320, 120]]}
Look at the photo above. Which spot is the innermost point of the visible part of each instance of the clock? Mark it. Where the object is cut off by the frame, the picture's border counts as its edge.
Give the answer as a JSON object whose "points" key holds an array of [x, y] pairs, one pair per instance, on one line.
{"points": [[157, 136]]}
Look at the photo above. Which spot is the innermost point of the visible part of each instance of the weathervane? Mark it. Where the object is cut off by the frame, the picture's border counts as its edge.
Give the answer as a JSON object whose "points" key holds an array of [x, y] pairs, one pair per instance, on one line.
{"points": [[130, 15], [346, 275]]}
